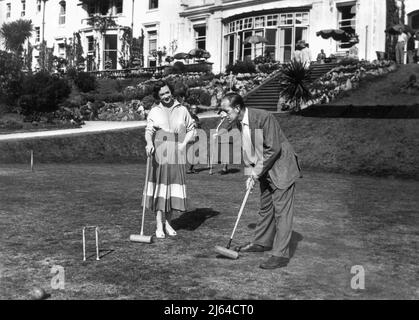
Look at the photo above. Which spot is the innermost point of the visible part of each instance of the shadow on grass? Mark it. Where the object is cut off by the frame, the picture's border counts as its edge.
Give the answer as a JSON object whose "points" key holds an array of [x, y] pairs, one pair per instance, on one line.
{"points": [[102, 253], [193, 219], [295, 238]]}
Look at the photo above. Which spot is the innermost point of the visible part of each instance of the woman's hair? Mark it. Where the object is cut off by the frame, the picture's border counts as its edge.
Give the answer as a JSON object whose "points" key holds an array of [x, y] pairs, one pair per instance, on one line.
{"points": [[159, 85]]}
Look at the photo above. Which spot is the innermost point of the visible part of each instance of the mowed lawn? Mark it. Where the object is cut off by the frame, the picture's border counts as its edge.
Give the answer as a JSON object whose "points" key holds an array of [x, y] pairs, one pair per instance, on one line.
{"points": [[341, 221]]}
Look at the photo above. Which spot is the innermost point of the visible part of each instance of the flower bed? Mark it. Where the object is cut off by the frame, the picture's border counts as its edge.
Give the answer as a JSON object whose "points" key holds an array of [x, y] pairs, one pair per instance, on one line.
{"points": [[346, 77], [205, 89]]}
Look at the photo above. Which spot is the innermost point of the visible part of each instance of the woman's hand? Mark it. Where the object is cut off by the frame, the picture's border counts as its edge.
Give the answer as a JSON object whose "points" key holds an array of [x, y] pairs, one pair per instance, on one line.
{"points": [[149, 149]]}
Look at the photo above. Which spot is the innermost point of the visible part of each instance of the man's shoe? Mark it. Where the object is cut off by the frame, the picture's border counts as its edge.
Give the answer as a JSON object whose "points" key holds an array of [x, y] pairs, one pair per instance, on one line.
{"points": [[252, 247], [275, 262]]}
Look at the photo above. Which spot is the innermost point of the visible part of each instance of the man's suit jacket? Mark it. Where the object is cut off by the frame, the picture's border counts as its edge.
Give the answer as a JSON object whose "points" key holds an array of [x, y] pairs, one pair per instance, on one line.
{"points": [[280, 161]]}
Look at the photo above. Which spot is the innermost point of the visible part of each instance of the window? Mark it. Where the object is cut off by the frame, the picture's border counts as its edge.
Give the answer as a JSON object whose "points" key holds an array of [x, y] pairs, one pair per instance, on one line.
{"points": [[8, 10], [61, 50], [111, 51], [119, 6], [37, 34], [231, 42], [346, 22], [38, 5], [200, 37], [259, 22], [287, 19], [90, 53], [152, 48], [90, 44], [270, 46], [153, 4], [301, 18], [272, 20], [61, 19], [414, 20], [23, 12], [232, 26], [248, 23], [239, 25]]}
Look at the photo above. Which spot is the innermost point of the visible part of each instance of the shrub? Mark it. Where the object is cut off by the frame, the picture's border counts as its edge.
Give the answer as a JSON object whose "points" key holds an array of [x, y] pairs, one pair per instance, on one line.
{"points": [[198, 67], [205, 99], [71, 73], [267, 67], [207, 77], [85, 81], [113, 97], [10, 77], [178, 67], [241, 67], [198, 96], [43, 92], [148, 102], [10, 125]]}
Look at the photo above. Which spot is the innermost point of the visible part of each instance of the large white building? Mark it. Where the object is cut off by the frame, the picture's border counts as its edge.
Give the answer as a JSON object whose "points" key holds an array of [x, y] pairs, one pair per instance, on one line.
{"points": [[219, 26]]}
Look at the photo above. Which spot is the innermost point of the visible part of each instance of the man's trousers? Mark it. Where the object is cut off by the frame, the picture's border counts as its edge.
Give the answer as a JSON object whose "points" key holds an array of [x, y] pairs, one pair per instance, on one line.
{"points": [[274, 227]]}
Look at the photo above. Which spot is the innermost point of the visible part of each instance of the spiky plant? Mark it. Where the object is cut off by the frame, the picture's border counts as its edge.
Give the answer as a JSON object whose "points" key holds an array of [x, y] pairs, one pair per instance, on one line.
{"points": [[15, 34], [294, 82]]}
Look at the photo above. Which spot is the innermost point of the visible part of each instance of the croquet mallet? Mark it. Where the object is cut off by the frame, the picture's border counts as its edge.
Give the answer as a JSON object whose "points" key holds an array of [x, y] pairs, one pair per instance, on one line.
{"points": [[141, 237], [227, 252], [214, 140]]}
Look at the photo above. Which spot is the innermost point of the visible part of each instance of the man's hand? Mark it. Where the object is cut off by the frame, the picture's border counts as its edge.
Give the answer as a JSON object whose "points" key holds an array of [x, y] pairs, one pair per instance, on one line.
{"points": [[149, 149], [250, 182]]}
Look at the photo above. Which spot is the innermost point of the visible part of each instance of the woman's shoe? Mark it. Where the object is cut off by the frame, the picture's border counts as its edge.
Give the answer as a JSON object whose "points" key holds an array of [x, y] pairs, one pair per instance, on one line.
{"points": [[169, 230], [160, 234]]}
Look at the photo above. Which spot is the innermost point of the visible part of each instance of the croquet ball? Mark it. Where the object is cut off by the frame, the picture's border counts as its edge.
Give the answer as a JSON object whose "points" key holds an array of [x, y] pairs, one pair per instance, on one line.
{"points": [[38, 293]]}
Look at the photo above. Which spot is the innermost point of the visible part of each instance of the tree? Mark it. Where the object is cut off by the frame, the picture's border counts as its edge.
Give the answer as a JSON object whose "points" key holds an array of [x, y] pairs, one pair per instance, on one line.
{"points": [[15, 34]]}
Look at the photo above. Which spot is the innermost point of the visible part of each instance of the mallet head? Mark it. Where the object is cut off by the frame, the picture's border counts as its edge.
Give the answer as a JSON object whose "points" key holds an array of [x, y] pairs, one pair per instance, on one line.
{"points": [[140, 238], [228, 253]]}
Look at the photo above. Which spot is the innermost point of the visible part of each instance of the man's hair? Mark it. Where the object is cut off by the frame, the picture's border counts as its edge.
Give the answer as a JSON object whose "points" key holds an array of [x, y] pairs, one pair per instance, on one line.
{"points": [[235, 99], [159, 85]]}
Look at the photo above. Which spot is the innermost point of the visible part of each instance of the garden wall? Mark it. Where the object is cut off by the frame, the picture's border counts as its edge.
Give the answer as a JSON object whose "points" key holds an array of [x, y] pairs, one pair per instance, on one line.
{"points": [[367, 146]]}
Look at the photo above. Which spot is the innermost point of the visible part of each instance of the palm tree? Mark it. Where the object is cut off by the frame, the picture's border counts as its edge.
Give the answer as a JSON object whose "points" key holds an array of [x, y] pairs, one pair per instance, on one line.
{"points": [[15, 34], [294, 82]]}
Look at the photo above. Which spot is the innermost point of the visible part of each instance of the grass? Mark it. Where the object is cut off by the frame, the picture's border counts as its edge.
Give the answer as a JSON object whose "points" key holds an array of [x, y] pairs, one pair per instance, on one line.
{"points": [[384, 91], [381, 147], [340, 221]]}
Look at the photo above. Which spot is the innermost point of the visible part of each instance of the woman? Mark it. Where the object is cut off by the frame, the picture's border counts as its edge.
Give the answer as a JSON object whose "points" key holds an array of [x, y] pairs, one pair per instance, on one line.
{"points": [[169, 129]]}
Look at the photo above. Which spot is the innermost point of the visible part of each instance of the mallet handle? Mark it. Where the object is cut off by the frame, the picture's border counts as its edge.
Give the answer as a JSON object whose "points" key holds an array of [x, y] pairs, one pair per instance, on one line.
{"points": [[145, 194], [239, 215]]}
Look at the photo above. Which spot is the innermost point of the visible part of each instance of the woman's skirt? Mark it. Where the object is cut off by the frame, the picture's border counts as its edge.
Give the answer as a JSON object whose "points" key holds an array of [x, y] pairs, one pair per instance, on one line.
{"points": [[166, 185]]}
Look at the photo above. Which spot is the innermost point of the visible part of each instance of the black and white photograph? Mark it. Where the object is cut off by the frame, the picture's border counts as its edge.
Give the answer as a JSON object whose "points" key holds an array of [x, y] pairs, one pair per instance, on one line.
{"points": [[222, 151]]}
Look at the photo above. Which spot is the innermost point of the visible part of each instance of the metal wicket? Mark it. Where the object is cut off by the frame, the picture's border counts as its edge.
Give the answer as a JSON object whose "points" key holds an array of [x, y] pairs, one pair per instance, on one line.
{"points": [[96, 240]]}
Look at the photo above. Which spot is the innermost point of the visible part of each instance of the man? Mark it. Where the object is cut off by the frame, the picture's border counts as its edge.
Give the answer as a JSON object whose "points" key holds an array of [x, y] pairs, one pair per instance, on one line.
{"points": [[276, 167], [321, 57], [411, 51], [401, 41], [193, 111]]}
